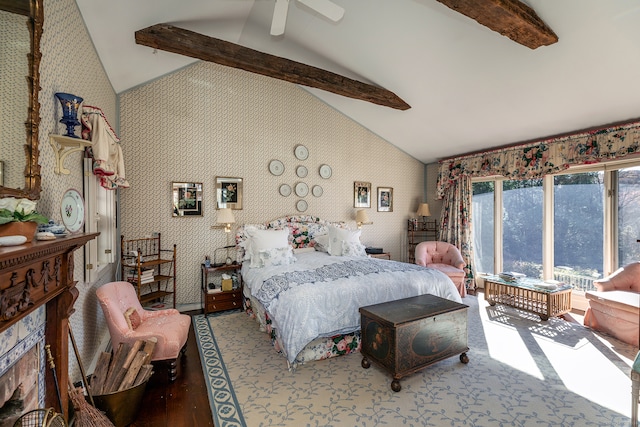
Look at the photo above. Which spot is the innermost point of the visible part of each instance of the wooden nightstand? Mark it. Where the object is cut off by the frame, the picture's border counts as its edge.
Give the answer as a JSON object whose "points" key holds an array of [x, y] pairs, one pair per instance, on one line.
{"points": [[383, 255], [222, 300]]}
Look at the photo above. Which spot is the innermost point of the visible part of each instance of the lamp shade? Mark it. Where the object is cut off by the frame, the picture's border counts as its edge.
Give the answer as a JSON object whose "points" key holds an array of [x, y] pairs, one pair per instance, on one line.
{"points": [[423, 210], [225, 216], [362, 217]]}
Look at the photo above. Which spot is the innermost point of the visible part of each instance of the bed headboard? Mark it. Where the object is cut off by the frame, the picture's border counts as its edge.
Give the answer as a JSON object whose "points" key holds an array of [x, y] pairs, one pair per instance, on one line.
{"points": [[302, 229]]}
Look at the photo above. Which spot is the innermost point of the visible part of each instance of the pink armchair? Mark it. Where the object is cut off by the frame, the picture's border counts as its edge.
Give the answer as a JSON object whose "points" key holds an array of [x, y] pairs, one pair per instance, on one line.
{"points": [[614, 307], [446, 258], [129, 322]]}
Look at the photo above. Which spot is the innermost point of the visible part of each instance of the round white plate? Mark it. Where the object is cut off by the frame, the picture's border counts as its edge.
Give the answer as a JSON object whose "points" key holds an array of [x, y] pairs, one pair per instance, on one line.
{"points": [[302, 189], [301, 152], [301, 205], [285, 190], [316, 191], [301, 171], [72, 210], [325, 171], [276, 167]]}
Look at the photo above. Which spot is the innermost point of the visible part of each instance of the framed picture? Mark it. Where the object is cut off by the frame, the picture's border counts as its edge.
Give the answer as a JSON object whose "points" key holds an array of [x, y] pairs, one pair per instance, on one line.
{"points": [[385, 199], [229, 192], [186, 198], [361, 194]]}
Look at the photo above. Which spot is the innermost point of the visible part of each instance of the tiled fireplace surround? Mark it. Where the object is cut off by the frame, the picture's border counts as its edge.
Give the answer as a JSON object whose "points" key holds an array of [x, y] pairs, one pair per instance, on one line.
{"points": [[22, 365]]}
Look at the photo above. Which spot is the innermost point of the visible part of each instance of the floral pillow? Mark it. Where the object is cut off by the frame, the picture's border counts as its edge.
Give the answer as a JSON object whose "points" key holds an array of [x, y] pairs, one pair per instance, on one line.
{"points": [[273, 256], [353, 249], [133, 318]]}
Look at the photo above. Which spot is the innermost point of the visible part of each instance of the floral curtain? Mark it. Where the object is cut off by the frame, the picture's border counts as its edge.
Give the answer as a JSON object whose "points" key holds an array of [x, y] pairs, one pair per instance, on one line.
{"points": [[543, 157], [525, 161], [455, 218]]}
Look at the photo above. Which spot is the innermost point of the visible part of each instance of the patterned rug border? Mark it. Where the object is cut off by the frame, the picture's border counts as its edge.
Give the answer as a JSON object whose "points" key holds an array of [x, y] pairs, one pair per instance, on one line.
{"points": [[225, 408]]}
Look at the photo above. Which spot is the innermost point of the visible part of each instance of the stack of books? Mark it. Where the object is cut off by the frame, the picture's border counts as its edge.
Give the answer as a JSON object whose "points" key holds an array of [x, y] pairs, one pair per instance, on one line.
{"points": [[146, 276]]}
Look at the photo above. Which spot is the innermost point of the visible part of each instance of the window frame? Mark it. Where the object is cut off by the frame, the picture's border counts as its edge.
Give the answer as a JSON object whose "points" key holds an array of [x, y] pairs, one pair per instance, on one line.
{"points": [[610, 221]]}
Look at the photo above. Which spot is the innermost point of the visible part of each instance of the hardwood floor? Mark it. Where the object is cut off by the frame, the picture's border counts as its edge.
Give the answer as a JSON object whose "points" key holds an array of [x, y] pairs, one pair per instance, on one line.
{"points": [[182, 403]]}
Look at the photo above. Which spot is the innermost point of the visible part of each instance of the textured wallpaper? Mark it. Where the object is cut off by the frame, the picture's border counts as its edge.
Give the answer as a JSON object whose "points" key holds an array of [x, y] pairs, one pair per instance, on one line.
{"points": [[208, 120], [70, 64]]}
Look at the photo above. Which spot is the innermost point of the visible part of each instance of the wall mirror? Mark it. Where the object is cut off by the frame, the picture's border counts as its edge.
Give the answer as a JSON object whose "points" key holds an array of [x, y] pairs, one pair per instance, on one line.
{"points": [[19, 87], [186, 198]]}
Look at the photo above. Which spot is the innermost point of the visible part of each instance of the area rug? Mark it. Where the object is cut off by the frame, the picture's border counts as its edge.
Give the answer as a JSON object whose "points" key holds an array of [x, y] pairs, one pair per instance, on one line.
{"points": [[522, 372]]}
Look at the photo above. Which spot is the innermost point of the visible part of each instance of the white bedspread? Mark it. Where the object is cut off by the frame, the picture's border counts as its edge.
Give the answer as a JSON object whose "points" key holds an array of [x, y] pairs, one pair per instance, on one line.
{"points": [[306, 308]]}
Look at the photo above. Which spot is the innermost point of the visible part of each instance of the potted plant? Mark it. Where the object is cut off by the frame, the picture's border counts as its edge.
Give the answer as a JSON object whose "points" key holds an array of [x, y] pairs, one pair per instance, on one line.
{"points": [[18, 217]]}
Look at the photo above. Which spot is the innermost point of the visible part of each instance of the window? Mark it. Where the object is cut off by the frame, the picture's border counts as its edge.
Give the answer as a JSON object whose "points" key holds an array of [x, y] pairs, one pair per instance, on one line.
{"points": [[522, 227], [483, 226], [574, 227], [578, 228], [101, 217], [628, 207]]}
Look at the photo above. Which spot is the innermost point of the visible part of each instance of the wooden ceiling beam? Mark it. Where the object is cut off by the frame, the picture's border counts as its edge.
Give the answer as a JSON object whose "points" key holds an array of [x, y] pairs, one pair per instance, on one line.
{"points": [[184, 42], [510, 18]]}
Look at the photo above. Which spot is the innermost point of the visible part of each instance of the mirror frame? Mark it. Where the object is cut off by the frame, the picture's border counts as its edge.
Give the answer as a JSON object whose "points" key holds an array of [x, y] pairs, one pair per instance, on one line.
{"points": [[33, 10]]}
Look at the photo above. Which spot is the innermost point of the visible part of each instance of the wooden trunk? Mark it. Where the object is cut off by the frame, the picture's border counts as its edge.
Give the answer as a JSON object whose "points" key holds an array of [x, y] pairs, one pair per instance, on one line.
{"points": [[407, 335]]}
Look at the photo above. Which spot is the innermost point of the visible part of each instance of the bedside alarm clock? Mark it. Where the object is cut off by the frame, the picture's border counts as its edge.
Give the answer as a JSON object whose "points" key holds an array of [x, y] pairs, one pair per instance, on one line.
{"points": [[229, 261]]}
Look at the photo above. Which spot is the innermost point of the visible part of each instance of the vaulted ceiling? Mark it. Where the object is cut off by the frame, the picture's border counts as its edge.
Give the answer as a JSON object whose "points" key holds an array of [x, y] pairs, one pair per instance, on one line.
{"points": [[469, 88]]}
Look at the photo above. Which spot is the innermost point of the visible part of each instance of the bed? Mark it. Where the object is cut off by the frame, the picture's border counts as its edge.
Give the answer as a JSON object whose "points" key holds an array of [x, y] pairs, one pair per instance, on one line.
{"points": [[305, 279]]}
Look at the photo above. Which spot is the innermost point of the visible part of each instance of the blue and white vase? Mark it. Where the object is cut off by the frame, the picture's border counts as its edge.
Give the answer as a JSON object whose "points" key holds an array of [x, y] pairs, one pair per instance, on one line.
{"points": [[70, 104]]}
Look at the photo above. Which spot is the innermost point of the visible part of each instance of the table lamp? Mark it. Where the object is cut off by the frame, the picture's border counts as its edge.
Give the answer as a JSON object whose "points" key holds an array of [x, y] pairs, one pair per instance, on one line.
{"points": [[423, 211], [225, 216], [362, 218]]}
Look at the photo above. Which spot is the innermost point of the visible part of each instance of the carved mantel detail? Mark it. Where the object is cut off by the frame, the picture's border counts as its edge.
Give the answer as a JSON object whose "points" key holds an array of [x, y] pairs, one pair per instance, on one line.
{"points": [[38, 273]]}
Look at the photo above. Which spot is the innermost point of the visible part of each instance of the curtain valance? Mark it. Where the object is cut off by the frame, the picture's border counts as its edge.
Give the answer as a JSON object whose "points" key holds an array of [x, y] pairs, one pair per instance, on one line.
{"points": [[543, 157]]}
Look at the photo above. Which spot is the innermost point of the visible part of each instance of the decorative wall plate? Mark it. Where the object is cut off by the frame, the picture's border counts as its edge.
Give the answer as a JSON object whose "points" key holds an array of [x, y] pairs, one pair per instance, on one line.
{"points": [[302, 189], [276, 167], [301, 205], [316, 191], [301, 171], [301, 152], [285, 190], [325, 171], [72, 210]]}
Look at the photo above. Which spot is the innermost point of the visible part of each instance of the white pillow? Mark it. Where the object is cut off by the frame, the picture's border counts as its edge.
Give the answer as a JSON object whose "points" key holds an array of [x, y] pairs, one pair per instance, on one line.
{"points": [[273, 256], [265, 239], [339, 235], [353, 249], [322, 243]]}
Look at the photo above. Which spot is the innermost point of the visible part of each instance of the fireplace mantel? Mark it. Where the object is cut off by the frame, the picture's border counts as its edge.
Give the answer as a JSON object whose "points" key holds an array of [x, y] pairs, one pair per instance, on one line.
{"points": [[35, 274]]}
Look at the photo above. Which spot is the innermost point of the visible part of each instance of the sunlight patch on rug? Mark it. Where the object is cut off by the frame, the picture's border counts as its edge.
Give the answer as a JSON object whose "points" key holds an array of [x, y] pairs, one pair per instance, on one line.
{"points": [[522, 372]]}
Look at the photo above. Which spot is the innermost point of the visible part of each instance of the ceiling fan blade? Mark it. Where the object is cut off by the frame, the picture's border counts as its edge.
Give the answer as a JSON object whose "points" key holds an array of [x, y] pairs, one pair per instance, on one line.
{"points": [[279, 17], [326, 8]]}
